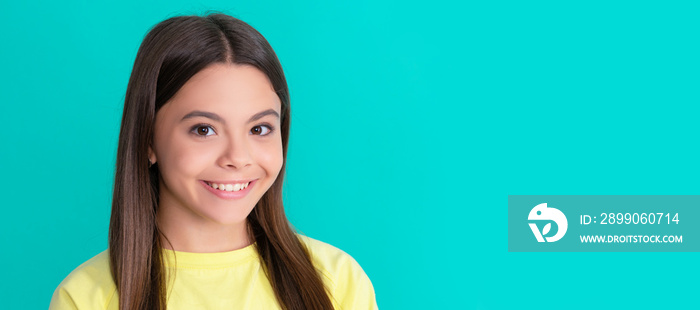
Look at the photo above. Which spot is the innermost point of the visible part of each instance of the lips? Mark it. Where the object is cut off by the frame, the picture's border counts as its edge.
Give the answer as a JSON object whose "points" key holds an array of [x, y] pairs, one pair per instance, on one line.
{"points": [[229, 189]]}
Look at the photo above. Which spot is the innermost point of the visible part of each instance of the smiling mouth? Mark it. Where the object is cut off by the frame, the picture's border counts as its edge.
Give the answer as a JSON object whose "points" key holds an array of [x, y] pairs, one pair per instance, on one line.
{"points": [[234, 187]]}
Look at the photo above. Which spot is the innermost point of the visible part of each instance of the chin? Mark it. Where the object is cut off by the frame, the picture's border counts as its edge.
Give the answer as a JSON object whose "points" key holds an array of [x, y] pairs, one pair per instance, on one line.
{"points": [[230, 220]]}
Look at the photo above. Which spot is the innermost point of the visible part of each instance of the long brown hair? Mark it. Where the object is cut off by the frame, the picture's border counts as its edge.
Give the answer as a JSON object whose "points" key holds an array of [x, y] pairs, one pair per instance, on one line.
{"points": [[170, 54]]}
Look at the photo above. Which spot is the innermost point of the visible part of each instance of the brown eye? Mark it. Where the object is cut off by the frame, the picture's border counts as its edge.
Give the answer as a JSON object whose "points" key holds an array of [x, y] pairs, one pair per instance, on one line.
{"points": [[261, 130], [203, 130]]}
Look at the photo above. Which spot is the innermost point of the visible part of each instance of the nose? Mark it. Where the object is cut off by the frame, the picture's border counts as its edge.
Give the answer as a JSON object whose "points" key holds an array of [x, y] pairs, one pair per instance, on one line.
{"points": [[236, 153]]}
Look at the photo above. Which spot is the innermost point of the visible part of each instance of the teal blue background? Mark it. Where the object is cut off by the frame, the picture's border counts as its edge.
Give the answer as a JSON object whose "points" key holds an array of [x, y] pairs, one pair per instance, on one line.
{"points": [[412, 123]]}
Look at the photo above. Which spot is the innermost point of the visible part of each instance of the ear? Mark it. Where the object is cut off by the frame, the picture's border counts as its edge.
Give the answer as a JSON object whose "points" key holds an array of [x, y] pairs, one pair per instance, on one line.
{"points": [[151, 156]]}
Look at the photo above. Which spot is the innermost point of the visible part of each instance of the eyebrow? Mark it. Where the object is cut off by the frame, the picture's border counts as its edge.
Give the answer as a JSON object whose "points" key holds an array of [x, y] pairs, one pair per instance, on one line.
{"points": [[262, 114], [212, 116], [217, 118]]}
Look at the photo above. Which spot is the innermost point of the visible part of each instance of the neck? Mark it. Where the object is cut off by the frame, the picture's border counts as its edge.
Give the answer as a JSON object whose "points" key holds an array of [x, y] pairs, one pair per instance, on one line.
{"points": [[180, 233]]}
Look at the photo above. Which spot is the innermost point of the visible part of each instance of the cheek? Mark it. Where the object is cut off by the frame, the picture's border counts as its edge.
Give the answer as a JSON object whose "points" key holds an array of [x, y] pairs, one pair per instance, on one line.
{"points": [[271, 158], [191, 161], [177, 157]]}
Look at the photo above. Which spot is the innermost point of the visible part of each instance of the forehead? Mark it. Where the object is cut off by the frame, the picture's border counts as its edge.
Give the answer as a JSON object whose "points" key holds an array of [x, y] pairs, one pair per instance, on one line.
{"points": [[237, 89]]}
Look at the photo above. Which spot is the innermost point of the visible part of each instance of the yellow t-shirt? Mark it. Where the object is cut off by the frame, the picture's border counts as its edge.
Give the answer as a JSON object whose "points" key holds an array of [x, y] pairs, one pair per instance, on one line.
{"points": [[228, 280]]}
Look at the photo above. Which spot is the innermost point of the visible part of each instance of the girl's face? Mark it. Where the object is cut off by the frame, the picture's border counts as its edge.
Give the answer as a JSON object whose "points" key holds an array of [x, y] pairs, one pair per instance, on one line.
{"points": [[218, 146]]}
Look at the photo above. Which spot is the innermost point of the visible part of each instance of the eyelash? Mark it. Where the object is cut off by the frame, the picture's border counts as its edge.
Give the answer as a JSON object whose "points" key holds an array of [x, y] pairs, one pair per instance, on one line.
{"points": [[194, 129], [270, 129]]}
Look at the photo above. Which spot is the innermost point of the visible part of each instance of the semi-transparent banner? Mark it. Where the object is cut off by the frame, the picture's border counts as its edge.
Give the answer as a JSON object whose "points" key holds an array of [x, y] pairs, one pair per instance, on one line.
{"points": [[611, 223]]}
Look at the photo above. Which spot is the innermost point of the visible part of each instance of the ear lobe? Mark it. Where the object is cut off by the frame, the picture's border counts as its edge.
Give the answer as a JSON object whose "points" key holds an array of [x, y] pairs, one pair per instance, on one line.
{"points": [[151, 156]]}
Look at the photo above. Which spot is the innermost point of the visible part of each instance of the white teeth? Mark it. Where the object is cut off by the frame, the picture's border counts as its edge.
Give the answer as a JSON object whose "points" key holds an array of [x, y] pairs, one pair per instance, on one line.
{"points": [[229, 187]]}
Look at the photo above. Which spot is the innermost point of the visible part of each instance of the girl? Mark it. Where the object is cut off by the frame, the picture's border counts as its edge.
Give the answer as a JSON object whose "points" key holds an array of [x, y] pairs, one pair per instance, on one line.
{"points": [[197, 217]]}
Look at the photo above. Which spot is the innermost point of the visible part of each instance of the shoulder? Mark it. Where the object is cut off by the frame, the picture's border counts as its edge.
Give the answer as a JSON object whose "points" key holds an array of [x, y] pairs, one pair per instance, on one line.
{"points": [[89, 286], [327, 257], [348, 283]]}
